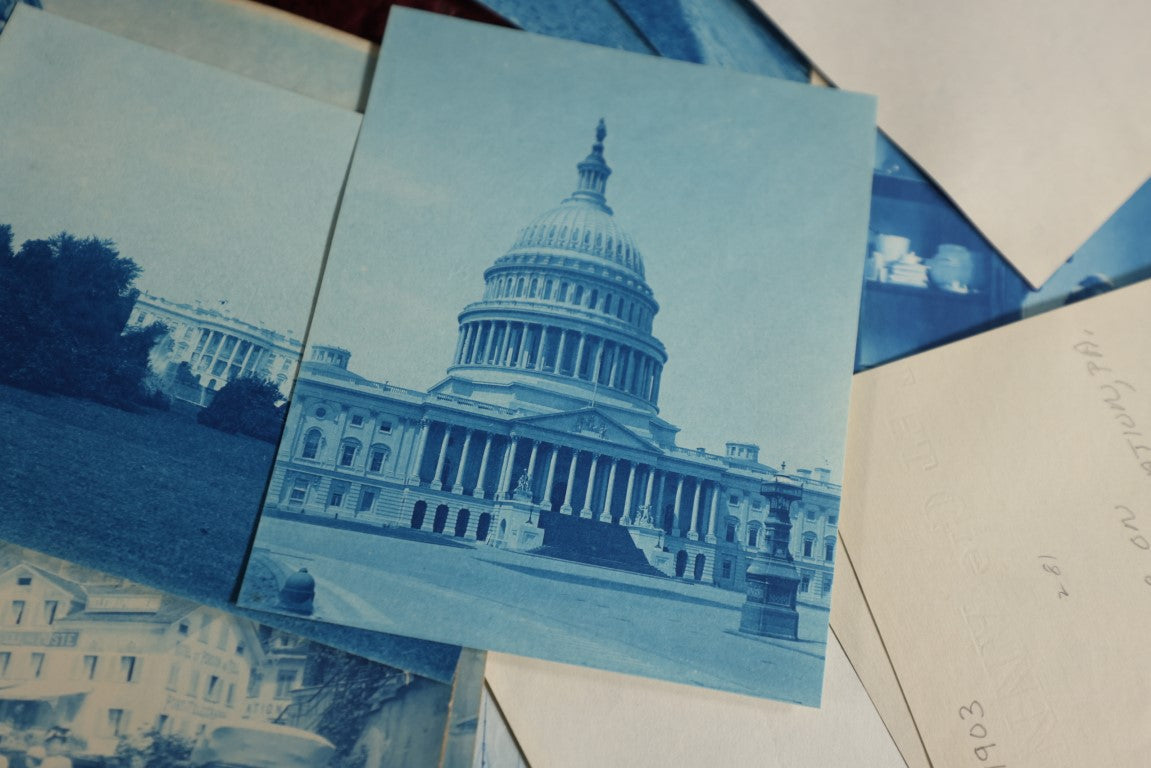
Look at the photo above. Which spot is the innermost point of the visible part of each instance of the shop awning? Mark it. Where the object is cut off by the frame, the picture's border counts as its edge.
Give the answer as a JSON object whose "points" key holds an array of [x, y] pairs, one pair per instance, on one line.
{"points": [[43, 690]]}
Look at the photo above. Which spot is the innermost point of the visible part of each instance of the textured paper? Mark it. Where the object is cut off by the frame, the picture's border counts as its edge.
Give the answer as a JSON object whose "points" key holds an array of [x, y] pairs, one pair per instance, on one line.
{"points": [[567, 716], [247, 38], [998, 514], [855, 629], [1027, 113]]}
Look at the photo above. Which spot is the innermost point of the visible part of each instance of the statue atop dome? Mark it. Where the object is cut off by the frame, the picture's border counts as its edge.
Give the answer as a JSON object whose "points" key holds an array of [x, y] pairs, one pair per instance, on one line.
{"points": [[593, 173]]}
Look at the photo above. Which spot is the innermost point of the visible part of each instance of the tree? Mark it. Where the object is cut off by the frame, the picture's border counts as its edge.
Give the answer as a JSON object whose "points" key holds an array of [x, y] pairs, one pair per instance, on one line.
{"points": [[153, 750], [64, 303], [247, 405]]}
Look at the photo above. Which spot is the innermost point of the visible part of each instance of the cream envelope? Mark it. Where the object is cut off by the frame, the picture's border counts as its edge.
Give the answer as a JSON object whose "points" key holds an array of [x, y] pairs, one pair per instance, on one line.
{"points": [[570, 716], [855, 629], [1028, 113], [998, 514]]}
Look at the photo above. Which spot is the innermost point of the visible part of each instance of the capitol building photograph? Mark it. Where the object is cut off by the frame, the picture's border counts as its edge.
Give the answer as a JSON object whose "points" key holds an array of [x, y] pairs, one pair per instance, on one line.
{"points": [[577, 377], [546, 435]]}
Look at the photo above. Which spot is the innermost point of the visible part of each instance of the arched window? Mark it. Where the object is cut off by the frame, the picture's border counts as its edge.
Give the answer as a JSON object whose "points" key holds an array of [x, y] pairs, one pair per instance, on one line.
{"points": [[462, 522], [519, 287], [593, 299], [349, 449], [577, 294], [607, 303], [562, 293], [730, 536], [377, 456], [808, 544], [829, 549], [534, 288], [753, 537], [547, 289], [311, 444]]}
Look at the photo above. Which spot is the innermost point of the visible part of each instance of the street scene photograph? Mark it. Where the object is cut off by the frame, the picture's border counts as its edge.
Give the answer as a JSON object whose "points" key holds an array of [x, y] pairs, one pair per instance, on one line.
{"points": [[96, 670]]}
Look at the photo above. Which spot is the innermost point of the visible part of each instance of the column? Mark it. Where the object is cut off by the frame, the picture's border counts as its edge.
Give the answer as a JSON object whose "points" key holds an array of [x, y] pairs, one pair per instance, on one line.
{"points": [[598, 360], [579, 355], [657, 518], [586, 511], [404, 442], [560, 352], [504, 344], [626, 517], [605, 516], [547, 499], [469, 337], [478, 492], [476, 354], [540, 348], [421, 444], [532, 470], [614, 365], [518, 335], [440, 460], [655, 385], [693, 530], [716, 490], [488, 343], [651, 472], [524, 347], [470, 344], [675, 523], [744, 517], [459, 484], [247, 357], [504, 491], [459, 345], [567, 505], [631, 364]]}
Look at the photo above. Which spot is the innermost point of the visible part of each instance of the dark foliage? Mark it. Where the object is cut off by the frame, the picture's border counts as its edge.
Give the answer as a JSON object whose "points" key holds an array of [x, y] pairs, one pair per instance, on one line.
{"points": [[153, 750], [345, 692], [64, 302], [248, 406]]}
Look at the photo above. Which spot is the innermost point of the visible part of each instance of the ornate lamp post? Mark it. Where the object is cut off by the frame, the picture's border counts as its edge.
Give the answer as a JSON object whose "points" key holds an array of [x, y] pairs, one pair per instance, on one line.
{"points": [[772, 580]]}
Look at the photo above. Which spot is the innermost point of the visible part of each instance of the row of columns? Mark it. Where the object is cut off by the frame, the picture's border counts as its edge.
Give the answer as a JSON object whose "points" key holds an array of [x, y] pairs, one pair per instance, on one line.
{"points": [[540, 286], [216, 341], [651, 486], [513, 344]]}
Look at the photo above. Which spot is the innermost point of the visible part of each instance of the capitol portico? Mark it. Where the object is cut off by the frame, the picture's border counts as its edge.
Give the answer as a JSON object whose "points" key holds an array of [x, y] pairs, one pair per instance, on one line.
{"points": [[546, 434]]}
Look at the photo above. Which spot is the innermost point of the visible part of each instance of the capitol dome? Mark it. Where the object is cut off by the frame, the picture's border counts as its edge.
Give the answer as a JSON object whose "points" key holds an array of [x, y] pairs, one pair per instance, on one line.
{"points": [[581, 227], [568, 304]]}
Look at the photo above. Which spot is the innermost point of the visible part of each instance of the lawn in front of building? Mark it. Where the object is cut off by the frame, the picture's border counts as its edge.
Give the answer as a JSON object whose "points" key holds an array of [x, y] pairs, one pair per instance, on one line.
{"points": [[153, 496]]}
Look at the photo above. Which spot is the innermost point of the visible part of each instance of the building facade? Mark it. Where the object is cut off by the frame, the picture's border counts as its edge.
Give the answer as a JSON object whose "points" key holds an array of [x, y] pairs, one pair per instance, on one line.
{"points": [[217, 348], [545, 434], [107, 662]]}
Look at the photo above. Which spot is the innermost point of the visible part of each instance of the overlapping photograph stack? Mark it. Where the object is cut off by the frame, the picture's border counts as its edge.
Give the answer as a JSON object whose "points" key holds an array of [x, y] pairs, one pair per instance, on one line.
{"points": [[547, 353]]}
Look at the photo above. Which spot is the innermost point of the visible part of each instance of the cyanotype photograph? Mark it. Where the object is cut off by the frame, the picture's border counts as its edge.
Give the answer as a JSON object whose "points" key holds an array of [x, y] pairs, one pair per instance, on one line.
{"points": [[162, 228], [96, 670], [930, 277], [578, 372]]}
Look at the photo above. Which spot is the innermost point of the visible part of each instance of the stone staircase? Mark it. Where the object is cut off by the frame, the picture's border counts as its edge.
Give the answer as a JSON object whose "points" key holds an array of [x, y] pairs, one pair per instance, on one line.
{"points": [[567, 537]]}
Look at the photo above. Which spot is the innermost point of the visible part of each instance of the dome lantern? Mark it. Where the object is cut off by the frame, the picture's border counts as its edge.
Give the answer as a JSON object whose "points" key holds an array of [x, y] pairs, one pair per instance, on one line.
{"points": [[593, 173]]}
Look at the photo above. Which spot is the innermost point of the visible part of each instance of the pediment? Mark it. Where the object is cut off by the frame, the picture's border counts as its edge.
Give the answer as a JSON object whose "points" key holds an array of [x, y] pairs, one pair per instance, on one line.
{"points": [[587, 423]]}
